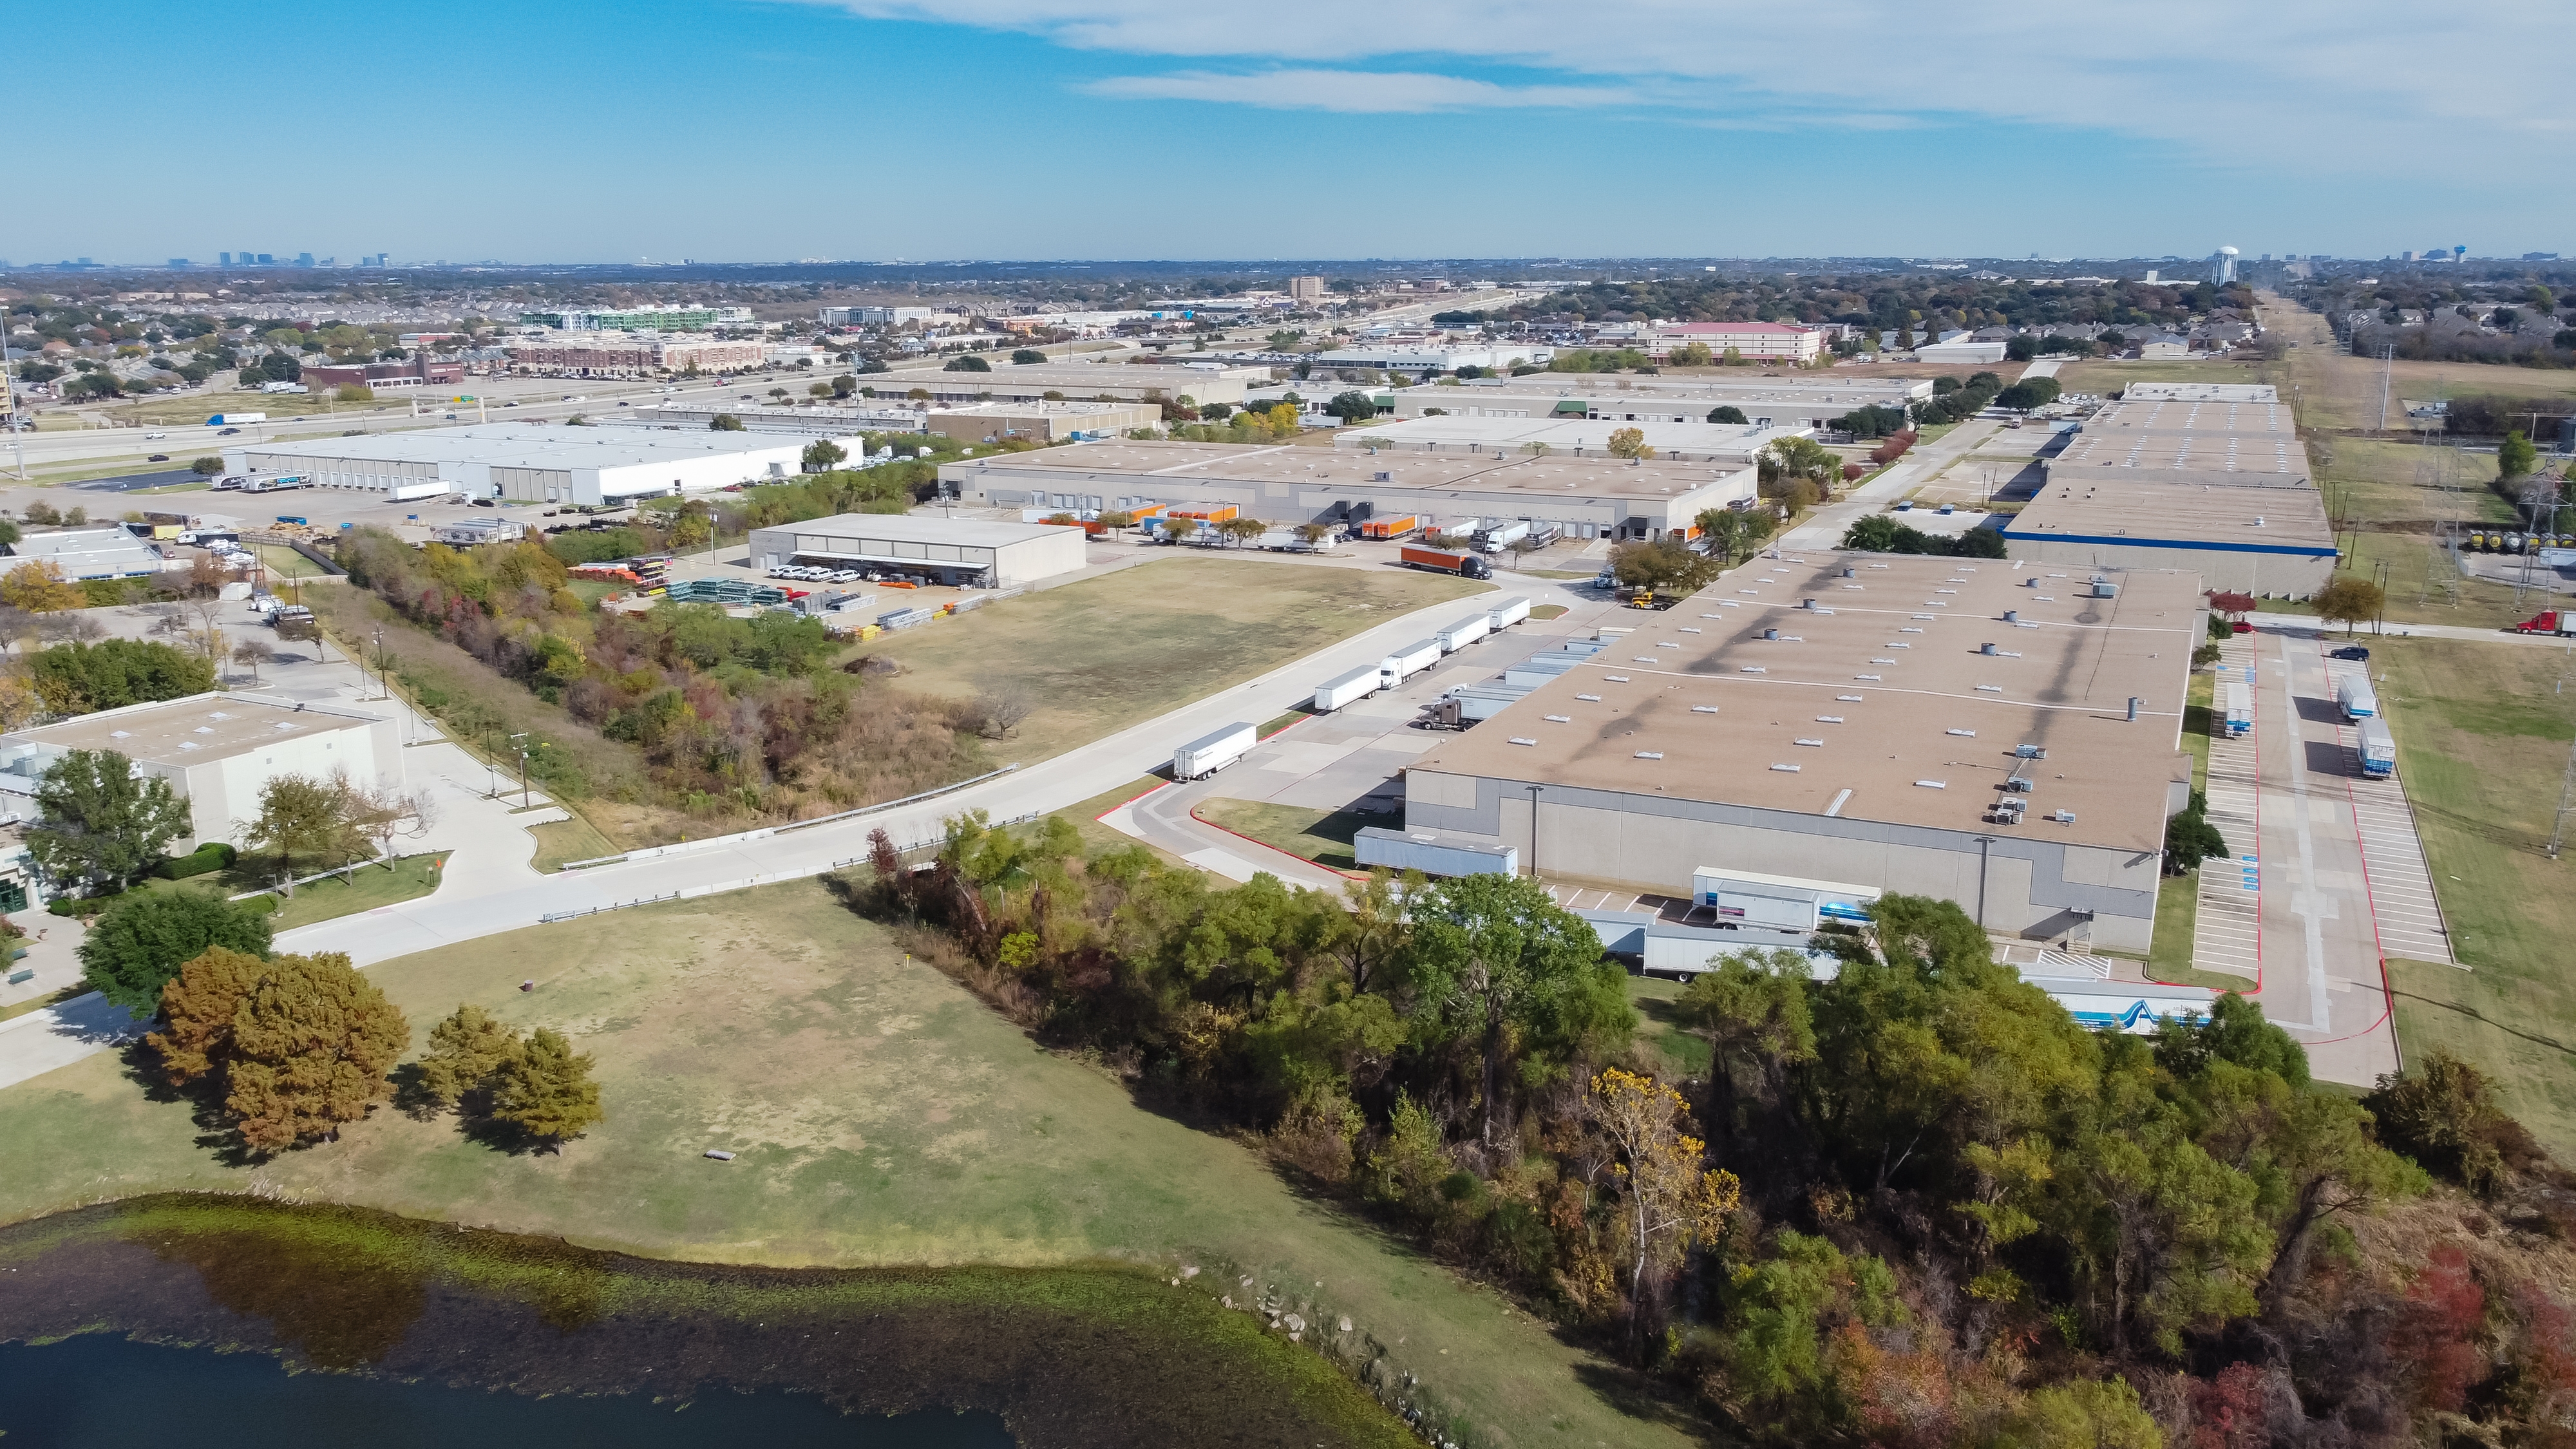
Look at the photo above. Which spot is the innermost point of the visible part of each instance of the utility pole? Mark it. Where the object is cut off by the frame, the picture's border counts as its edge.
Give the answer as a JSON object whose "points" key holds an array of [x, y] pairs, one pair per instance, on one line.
{"points": [[521, 742], [2566, 801]]}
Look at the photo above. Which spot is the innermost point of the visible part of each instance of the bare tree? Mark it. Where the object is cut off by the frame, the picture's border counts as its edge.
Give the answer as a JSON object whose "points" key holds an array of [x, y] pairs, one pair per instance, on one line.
{"points": [[253, 652], [1003, 707], [69, 627], [15, 624], [385, 814]]}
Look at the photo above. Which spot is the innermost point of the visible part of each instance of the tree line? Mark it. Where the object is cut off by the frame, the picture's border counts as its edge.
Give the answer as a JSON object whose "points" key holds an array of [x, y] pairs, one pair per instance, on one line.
{"points": [[1908, 1201]]}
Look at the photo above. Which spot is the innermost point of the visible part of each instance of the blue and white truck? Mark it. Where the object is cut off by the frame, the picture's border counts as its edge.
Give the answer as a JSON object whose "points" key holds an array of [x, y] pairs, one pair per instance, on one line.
{"points": [[2378, 750]]}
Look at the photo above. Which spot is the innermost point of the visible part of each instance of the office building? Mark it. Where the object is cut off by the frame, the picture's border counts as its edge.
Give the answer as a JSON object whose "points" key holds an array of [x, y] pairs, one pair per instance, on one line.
{"points": [[623, 354], [1829, 728], [413, 371], [873, 316], [961, 551], [1306, 291], [1586, 497], [1753, 341], [681, 318], [218, 751], [531, 463]]}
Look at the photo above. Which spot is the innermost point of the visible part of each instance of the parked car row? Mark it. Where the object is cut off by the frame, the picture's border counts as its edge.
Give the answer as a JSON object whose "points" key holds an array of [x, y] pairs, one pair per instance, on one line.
{"points": [[808, 573]]}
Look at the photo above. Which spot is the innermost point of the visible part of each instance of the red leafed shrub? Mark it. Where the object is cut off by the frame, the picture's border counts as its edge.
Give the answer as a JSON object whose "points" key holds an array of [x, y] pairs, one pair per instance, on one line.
{"points": [[2228, 1413], [2437, 1331]]}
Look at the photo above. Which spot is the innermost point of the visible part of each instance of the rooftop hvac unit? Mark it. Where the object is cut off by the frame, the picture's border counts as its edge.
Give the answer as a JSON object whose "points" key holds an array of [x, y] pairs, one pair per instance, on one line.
{"points": [[2029, 752]]}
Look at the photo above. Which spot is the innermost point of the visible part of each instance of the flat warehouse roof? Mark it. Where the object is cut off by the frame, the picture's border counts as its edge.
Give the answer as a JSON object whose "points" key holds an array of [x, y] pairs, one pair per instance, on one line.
{"points": [[2279, 455], [972, 533], [1877, 704], [191, 731], [2100, 505], [1850, 392], [1566, 434], [2200, 392], [522, 445], [1110, 463]]}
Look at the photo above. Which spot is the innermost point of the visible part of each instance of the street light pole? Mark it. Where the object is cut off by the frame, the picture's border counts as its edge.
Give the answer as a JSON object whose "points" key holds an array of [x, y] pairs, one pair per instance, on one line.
{"points": [[520, 741]]}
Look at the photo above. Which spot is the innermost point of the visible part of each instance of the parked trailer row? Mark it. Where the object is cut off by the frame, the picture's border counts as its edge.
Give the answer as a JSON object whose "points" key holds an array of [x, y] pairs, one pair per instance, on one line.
{"points": [[1504, 614], [1205, 756]]}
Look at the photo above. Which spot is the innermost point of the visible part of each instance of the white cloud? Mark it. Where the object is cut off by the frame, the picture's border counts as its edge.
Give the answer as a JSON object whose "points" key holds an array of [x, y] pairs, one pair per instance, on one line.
{"points": [[1359, 91], [2362, 85]]}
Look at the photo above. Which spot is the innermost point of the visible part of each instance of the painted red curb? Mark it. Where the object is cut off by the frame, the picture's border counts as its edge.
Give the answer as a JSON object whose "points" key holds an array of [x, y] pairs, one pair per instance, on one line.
{"points": [[1266, 845]]}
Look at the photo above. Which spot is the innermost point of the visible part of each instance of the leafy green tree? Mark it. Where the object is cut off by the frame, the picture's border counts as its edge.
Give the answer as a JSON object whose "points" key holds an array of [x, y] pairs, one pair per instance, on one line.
{"points": [[308, 820], [2348, 600], [2190, 838], [547, 1092], [207, 467], [1027, 355], [2444, 1115], [1353, 406], [1735, 532], [2515, 457], [102, 823], [1491, 955], [78, 678], [467, 1052], [822, 454], [1753, 1009], [724, 423], [138, 944], [2100, 1414], [1728, 413], [967, 362]]}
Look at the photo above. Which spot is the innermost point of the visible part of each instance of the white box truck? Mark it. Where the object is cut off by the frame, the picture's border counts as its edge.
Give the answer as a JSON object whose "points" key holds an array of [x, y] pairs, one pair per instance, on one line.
{"points": [[2378, 750], [1410, 660], [1501, 538], [1344, 689], [2355, 697], [1205, 756], [1463, 633], [2238, 717], [1503, 615]]}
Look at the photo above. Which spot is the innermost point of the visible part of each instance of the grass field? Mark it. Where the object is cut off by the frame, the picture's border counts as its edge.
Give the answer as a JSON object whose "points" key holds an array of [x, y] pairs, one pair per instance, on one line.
{"points": [[882, 1116], [2482, 738], [1322, 836], [1683, 1054], [365, 889], [1106, 653], [574, 839]]}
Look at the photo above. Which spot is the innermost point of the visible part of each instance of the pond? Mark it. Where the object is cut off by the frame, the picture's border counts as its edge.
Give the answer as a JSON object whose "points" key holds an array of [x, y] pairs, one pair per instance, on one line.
{"points": [[255, 1323]]}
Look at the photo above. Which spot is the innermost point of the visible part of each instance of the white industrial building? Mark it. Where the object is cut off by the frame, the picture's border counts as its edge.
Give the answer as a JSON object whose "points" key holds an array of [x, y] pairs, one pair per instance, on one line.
{"points": [[1412, 358], [1788, 745], [1765, 401], [961, 551], [94, 553], [530, 463], [218, 751], [1691, 442]]}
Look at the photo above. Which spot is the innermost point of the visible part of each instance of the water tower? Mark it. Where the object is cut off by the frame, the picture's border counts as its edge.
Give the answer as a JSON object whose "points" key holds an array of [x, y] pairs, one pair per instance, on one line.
{"points": [[2222, 267]]}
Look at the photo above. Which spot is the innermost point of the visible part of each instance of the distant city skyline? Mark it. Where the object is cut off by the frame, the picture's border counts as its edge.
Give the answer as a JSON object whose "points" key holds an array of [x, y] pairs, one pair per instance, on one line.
{"points": [[1143, 128]]}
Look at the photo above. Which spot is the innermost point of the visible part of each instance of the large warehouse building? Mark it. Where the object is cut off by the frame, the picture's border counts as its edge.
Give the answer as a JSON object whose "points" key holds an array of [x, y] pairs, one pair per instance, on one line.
{"points": [[530, 463], [1069, 382], [1823, 730], [218, 751], [1693, 442], [973, 422], [959, 551], [1765, 401], [2209, 477], [1588, 497]]}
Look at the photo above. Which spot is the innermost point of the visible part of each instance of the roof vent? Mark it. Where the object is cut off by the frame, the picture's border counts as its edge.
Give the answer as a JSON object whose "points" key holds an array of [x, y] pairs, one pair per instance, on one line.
{"points": [[1770, 633], [1985, 649], [1703, 709], [1851, 573], [2012, 616], [1932, 784], [2029, 752], [1516, 739], [1786, 769]]}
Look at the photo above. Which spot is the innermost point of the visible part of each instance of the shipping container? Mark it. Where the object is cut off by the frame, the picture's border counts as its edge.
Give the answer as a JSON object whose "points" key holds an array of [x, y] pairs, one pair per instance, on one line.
{"points": [[1384, 528], [1445, 561], [1789, 903], [1344, 689], [2238, 705], [1427, 852], [1205, 756], [1503, 615], [2355, 698], [1463, 633], [1412, 659], [2378, 750]]}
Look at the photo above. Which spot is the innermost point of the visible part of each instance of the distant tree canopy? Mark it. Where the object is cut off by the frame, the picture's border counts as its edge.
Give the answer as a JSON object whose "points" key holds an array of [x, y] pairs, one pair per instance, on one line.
{"points": [[80, 678], [1881, 533], [967, 362]]}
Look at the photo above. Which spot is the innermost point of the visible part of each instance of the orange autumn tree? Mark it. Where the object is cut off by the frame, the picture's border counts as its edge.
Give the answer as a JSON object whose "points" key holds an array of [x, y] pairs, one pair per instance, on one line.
{"points": [[1673, 1201]]}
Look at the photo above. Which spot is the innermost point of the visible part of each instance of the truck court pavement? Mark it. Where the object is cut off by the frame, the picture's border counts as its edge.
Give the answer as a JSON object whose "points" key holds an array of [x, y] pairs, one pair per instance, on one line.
{"points": [[2326, 876]]}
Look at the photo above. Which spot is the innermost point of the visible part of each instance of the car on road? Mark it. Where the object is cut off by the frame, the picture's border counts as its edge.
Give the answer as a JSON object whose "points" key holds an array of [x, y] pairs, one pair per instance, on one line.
{"points": [[2240, 627], [158, 458], [2349, 651], [154, 437], [226, 432]]}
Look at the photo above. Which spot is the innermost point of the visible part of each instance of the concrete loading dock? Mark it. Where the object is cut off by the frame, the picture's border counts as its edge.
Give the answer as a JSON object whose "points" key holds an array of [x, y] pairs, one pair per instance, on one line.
{"points": [[1870, 744], [948, 550], [1587, 498]]}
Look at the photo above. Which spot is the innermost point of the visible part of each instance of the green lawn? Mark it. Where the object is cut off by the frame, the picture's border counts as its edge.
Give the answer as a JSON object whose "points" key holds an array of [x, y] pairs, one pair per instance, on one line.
{"points": [[287, 563], [882, 1116], [1322, 836], [366, 888], [2178, 897], [574, 839], [1109, 652], [2482, 739], [1680, 1053]]}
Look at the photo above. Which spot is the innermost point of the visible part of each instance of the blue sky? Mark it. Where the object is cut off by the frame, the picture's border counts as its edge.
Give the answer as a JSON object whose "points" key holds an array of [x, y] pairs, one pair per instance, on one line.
{"points": [[876, 129]]}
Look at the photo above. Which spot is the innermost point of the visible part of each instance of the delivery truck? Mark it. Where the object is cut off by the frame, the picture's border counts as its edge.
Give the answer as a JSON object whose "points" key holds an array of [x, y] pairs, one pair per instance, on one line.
{"points": [[1503, 615], [2238, 705], [1384, 528], [1406, 662], [1463, 633], [1205, 756], [1502, 536], [1344, 689], [1472, 704], [2549, 621], [2355, 697], [235, 420], [1446, 561], [2378, 750]]}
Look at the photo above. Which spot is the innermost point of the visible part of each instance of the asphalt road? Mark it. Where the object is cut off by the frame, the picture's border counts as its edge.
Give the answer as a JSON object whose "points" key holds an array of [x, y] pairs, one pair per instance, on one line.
{"points": [[135, 482]]}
